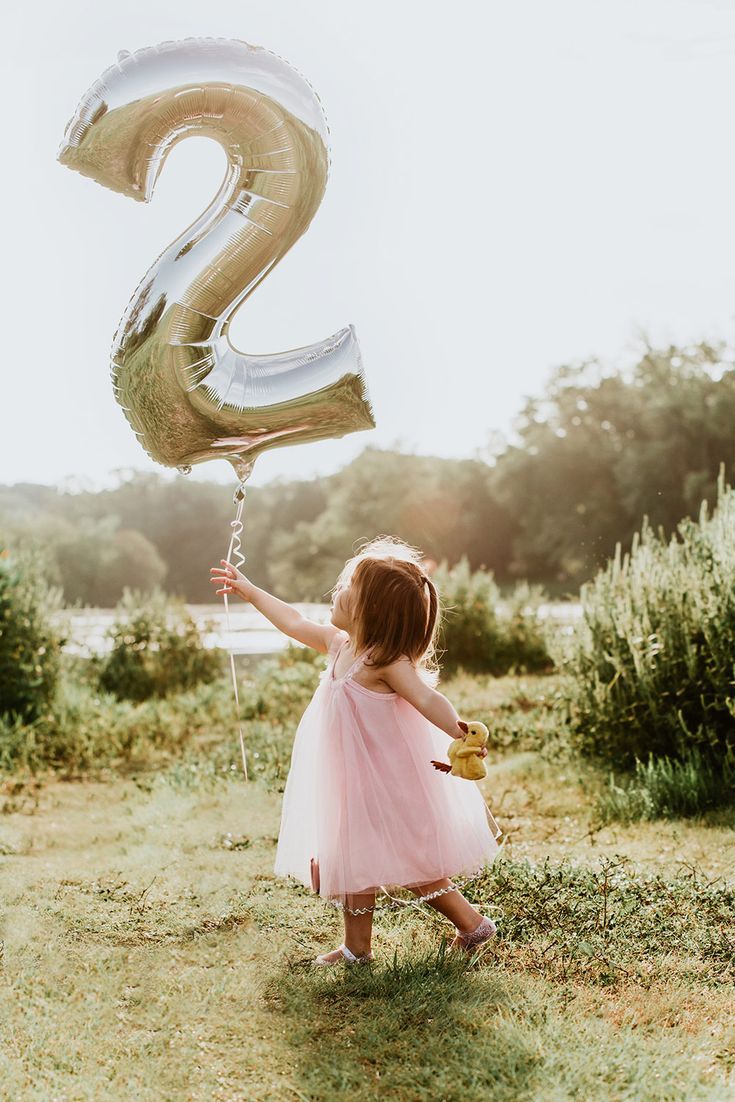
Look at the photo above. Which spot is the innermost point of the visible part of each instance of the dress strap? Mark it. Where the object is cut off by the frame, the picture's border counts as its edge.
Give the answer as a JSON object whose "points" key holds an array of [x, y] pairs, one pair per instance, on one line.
{"points": [[351, 670], [355, 664]]}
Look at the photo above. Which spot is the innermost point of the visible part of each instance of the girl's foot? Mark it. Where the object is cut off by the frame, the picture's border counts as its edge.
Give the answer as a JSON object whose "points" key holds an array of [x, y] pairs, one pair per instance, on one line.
{"points": [[337, 956], [469, 941]]}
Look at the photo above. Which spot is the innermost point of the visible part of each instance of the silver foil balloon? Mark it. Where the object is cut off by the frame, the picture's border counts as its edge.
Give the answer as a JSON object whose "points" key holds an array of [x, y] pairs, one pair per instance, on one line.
{"points": [[187, 392]]}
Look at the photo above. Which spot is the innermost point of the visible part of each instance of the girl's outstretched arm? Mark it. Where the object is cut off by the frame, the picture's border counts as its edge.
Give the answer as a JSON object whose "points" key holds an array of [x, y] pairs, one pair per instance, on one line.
{"points": [[404, 679], [280, 613]]}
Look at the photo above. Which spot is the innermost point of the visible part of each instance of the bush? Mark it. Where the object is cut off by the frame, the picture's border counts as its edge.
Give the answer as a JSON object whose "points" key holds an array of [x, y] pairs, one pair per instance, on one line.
{"points": [[157, 649], [651, 664], [472, 634], [30, 646]]}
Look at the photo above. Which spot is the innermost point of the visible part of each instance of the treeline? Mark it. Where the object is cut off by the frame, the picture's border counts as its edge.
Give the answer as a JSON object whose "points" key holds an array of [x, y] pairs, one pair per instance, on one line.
{"points": [[593, 456]]}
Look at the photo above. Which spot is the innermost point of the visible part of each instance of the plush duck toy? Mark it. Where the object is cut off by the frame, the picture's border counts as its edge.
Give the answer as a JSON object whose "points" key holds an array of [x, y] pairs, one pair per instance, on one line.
{"points": [[464, 753]]}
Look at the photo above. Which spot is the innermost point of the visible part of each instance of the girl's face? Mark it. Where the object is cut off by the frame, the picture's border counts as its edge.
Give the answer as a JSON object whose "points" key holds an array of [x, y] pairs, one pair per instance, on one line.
{"points": [[342, 607]]}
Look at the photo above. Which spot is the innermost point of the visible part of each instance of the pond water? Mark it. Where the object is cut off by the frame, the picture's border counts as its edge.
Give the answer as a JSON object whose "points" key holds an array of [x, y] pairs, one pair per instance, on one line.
{"points": [[249, 631]]}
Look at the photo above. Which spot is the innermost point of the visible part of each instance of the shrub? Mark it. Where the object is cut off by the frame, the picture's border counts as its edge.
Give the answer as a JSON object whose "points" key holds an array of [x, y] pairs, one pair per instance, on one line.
{"points": [[651, 665], [472, 634], [156, 649], [30, 646], [89, 729]]}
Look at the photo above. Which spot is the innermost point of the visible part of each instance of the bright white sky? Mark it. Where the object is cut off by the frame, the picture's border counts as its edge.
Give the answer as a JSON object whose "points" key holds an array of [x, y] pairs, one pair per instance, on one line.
{"points": [[514, 186]]}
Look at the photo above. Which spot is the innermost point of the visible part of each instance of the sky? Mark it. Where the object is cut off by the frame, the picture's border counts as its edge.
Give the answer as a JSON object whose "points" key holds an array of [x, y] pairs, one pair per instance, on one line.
{"points": [[513, 186]]}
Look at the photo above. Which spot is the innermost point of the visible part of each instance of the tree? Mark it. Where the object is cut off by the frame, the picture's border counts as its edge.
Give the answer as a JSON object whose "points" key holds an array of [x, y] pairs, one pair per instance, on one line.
{"points": [[96, 560], [599, 451]]}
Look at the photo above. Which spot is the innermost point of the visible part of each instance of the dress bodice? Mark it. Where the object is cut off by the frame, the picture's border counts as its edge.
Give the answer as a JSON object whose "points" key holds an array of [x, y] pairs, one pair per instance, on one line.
{"points": [[348, 676]]}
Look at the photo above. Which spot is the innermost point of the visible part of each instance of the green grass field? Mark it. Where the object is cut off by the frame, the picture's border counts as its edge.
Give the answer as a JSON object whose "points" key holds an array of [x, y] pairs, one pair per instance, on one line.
{"points": [[150, 953]]}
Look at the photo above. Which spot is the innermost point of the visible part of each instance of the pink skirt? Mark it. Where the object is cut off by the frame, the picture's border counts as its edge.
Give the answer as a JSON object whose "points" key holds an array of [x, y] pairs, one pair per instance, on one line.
{"points": [[364, 808]]}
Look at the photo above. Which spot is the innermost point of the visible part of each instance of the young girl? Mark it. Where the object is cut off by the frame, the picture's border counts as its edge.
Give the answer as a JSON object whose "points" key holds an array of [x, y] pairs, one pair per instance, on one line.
{"points": [[363, 806]]}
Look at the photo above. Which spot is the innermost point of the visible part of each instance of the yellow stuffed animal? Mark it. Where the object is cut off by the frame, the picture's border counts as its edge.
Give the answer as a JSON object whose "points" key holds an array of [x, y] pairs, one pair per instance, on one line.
{"points": [[464, 753]]}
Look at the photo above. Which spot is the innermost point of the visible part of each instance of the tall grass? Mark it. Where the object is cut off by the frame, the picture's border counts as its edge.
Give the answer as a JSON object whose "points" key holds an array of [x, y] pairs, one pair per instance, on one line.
{"points": [[666, 788]]}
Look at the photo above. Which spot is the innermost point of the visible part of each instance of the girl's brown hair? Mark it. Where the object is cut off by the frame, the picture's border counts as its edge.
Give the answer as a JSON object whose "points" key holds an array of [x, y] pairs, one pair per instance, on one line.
{"points": [[396, 602]]}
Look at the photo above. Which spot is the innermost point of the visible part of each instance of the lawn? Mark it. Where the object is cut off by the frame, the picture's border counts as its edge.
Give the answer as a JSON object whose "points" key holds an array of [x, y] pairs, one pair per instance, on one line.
{"points": [[150, 953]]}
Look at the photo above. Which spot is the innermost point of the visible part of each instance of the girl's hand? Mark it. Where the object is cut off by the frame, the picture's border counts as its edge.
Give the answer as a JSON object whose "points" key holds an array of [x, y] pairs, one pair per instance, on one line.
{"points": [[232, 580]]}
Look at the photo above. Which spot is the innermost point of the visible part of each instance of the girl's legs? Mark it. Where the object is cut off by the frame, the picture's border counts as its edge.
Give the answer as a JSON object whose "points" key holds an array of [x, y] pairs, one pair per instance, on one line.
{"points": [[359, 927], [452, 904]]}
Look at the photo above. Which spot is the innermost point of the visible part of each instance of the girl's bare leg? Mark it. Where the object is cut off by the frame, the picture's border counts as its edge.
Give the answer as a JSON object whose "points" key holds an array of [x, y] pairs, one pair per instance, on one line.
{"points": [[358, 928], [452, 905]]}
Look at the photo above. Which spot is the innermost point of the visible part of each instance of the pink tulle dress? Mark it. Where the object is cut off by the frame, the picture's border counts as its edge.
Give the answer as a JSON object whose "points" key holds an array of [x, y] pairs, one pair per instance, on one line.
{"points": [[364, 802]]}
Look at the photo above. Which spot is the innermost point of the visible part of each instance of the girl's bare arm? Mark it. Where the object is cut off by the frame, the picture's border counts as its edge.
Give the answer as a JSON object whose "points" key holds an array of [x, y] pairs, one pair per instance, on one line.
{"points": [[403, 679], [280, 613]]}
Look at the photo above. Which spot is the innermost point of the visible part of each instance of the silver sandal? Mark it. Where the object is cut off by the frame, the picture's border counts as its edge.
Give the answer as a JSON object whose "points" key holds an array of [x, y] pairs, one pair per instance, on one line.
{"points": [[348, 957], [469, 942]]}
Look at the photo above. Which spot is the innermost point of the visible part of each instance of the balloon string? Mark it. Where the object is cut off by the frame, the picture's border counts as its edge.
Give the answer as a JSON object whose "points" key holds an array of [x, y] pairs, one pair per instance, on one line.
{"points": [[493, 825], [237, 527]]}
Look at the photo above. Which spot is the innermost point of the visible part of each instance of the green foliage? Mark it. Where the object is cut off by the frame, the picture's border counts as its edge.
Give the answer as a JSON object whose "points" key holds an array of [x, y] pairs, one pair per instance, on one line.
{"points": [[665, 788], [597, 450], [30, 646], [652, 663], [475, 637], [156, 649], [523, 712], [609, 924], [88, 728], [601, 447]]}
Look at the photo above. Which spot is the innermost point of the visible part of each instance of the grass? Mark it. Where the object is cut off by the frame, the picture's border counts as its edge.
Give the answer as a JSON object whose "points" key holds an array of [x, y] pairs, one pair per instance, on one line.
{"points": [[665, 788], [149, 952]]}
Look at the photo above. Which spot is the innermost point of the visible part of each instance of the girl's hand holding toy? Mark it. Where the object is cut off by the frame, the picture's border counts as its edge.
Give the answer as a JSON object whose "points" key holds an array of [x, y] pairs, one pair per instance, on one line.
{"points": [[466, 752]]}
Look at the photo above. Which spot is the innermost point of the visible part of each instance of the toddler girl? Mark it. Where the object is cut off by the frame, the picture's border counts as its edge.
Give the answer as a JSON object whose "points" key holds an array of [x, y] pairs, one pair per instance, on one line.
{"points": [[363, 806]]}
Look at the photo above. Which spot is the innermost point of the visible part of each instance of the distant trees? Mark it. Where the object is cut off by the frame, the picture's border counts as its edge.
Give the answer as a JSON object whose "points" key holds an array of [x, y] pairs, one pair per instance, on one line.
{"points": [[598, 451], [444, 506], [590, 457], [96, 560], [91, 559]]}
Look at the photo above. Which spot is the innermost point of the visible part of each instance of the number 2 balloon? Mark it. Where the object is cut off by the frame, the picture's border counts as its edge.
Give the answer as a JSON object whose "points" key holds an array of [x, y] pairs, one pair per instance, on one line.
{"points": [[187, 392]]}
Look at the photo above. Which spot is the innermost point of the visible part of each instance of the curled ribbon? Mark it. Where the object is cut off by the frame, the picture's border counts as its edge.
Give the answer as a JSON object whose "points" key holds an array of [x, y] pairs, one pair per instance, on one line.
{"points": [[237, 527]]}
